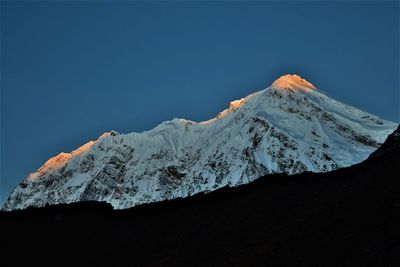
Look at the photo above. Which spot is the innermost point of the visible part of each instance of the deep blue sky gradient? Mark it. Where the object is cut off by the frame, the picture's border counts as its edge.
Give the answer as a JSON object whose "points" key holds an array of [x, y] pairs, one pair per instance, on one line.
{"points": [[73, 70]]}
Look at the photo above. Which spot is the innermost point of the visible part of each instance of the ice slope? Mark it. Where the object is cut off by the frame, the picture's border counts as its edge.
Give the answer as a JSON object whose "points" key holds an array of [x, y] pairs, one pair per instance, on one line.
{"points": [[289, 127]]}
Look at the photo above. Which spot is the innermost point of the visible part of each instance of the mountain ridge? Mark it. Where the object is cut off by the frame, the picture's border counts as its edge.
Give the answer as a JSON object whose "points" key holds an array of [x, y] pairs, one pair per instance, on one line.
{"points": [[290, 127], [345, 217]]}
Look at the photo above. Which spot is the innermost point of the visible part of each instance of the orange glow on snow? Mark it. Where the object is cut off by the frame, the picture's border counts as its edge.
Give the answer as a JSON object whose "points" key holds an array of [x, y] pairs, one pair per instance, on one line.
{"points": [[294, 82], [232, 106], [59, 161], [237, 103]]}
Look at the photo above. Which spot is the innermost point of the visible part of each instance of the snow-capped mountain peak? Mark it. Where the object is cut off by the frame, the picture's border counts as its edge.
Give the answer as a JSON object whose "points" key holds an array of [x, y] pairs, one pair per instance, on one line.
{"points": [[294, 82], [289, 127]]}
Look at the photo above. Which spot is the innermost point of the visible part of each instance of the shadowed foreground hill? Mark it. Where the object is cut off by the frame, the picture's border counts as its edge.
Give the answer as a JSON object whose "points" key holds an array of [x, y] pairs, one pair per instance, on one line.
{"points": [[347, 217]]}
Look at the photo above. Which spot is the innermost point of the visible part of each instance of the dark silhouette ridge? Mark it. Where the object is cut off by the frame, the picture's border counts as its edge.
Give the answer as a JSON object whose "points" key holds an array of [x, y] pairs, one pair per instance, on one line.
{"points": [[348, 217]]}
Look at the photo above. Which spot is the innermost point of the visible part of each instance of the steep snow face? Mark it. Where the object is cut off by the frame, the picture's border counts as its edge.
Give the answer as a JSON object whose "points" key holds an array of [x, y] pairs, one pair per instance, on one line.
{"points": [[290, 127]]}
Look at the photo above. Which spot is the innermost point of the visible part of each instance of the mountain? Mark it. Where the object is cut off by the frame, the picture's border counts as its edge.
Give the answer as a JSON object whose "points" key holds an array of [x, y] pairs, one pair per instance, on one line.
{"points": [[392, 143], [290, 127], [347, 217]]}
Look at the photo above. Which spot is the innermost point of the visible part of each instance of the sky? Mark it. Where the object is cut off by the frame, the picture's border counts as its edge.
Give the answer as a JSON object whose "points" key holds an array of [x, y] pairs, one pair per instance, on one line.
{"points": [[73, 70]]}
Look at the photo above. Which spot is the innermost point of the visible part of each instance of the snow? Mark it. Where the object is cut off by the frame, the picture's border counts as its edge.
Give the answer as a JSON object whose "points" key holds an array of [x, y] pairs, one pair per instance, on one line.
{"points": [[294, 82], [289, 127]]}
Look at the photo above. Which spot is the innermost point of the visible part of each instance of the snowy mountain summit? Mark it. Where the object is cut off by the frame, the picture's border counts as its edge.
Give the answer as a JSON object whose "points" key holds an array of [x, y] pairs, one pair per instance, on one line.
{"points": [[289, 127], [294, 82]]}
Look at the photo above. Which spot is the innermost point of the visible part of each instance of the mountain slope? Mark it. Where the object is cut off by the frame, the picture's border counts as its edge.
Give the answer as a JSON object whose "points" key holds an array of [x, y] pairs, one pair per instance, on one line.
{"points": [[347, 217], [290, 127]]}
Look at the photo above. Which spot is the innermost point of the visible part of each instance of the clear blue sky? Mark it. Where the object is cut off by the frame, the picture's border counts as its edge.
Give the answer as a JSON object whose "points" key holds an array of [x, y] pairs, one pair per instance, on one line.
{"points": [[73, 70]]}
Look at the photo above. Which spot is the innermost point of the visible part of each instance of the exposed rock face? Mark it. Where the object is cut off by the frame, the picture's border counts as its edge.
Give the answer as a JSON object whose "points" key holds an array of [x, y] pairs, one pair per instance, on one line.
{"points": [[277, 130]]}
